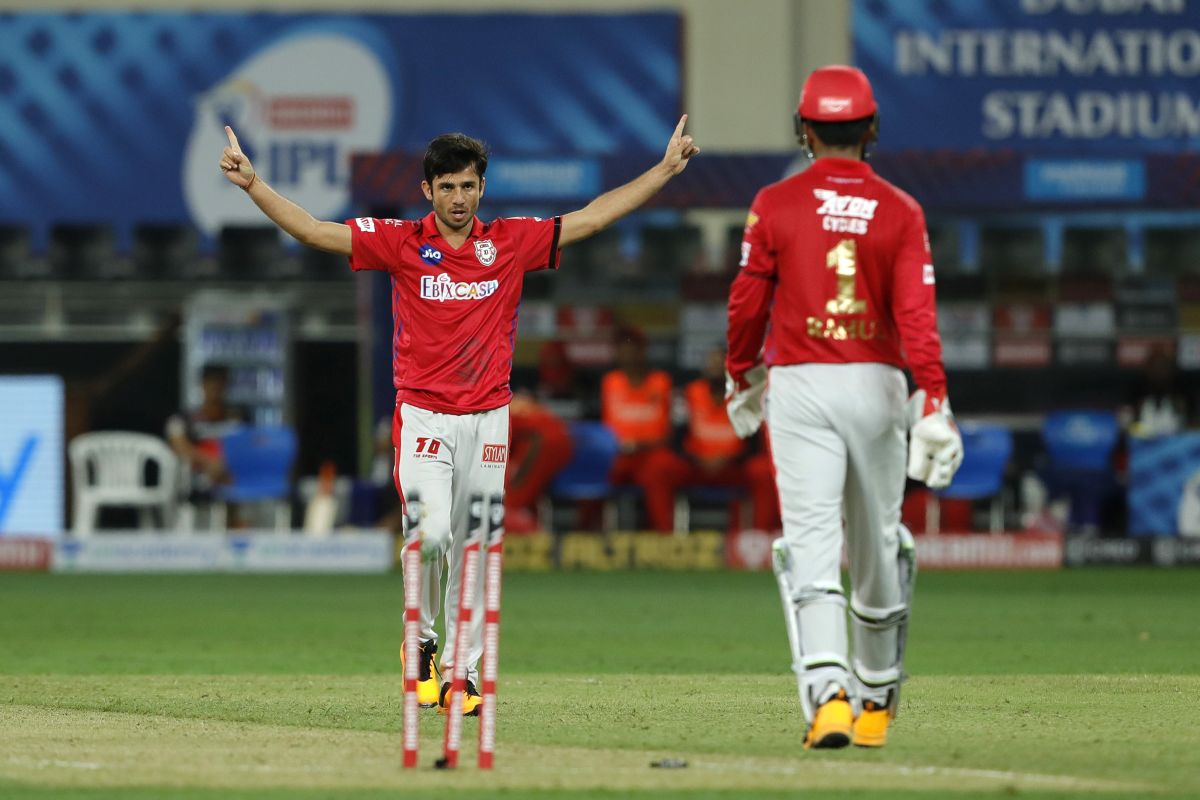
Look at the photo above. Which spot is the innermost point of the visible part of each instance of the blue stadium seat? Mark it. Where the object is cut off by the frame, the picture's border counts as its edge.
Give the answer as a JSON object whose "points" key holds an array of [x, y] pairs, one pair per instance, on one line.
{"points": [[586, 475], [259, 459], [1082, 440], [987, 449], [1080, 447]]}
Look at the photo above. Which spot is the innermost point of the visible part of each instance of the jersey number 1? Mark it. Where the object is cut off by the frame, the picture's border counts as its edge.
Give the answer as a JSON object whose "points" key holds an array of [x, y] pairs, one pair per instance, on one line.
{"points": [[843, 260]]}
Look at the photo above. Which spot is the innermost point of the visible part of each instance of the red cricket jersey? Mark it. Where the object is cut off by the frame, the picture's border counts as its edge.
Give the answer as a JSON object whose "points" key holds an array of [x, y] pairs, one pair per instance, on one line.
{"points": [[454, 310], [837, 261]]}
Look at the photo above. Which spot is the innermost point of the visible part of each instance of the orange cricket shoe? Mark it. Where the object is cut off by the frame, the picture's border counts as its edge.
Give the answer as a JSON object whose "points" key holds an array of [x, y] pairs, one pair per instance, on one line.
{"points": [[871, 727], [832, 725], [470, 700]]}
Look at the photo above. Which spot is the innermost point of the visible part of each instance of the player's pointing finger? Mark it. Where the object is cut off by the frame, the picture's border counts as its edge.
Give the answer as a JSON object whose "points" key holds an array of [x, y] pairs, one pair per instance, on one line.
{"points": [[679, 127], [233, 142]]}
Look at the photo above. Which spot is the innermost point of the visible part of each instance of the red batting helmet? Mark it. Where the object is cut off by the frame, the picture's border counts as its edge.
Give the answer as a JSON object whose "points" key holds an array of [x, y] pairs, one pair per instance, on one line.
{"points": [[836, 94]]}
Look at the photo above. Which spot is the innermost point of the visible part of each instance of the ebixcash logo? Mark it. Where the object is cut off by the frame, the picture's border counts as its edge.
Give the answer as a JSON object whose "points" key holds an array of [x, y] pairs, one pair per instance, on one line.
{"points": [[443, 288], [300, 107]]}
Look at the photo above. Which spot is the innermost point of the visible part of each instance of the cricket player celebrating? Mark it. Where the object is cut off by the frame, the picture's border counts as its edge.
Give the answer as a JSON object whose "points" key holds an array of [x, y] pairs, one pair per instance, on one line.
{"points": [[456, 283], [835, 297]]}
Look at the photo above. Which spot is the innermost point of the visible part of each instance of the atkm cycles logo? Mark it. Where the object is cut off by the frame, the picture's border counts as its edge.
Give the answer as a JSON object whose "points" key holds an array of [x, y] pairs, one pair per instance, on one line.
{"points": [[430, 255], [844, 213], [443, 288], [485, 251]]}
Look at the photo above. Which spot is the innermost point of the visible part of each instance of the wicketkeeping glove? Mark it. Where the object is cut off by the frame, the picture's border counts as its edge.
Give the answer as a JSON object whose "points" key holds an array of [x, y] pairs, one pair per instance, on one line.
{"points": [[935, 450], [744, 400]]}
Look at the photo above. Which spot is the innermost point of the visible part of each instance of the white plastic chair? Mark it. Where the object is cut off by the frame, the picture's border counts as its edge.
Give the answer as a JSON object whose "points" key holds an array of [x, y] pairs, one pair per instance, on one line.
{"points": [[110, 468]]}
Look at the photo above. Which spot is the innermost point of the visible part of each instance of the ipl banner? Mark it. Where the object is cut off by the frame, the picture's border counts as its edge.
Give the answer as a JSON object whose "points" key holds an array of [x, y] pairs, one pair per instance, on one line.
{"points": [[1055, 77], [119, 117]]}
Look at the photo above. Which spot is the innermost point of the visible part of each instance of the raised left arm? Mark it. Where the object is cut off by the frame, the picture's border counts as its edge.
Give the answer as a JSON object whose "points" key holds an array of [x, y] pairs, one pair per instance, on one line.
{"points": [[612, 205]]}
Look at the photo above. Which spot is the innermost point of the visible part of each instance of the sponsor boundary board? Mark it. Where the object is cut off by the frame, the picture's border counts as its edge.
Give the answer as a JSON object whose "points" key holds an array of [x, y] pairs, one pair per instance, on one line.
{"points": [[25, 554], [364, 552], [751, 550]]}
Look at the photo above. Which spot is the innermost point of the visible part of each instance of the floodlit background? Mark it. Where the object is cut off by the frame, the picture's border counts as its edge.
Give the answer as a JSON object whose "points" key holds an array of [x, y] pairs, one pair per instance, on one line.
{"points": [[1051, 142], [1053, 146]]}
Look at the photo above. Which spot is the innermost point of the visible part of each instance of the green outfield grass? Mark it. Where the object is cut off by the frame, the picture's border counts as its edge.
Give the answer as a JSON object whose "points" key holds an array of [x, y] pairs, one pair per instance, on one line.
{"points": [[1061, 684]]}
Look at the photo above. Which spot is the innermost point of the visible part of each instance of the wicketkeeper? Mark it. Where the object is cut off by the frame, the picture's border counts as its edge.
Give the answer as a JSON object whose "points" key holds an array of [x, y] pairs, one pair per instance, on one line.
{"points": [[834, 299]]}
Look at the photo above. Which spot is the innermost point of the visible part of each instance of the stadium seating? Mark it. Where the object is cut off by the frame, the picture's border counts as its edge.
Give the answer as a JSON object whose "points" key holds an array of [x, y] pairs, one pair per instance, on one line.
{"points": [[586, 476], [1172, 251], [1094, 251], [945, 248], [671, 249], [987, 450], [317, 265], [1080, 447], [119, 468], [84, 251], [1013, 260], [249, 252], [260, 459], [16, 260], [166, 252], [1007, 251], [590, 269]]}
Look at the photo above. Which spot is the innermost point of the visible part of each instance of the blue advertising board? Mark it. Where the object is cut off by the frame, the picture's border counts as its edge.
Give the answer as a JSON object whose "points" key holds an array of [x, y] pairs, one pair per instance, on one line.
{"points": [[31, 455], [118, 117], [1051, 77], [1164, 485]]}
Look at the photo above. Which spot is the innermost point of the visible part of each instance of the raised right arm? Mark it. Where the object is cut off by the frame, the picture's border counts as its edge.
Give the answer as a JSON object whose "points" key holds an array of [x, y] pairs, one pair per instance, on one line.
{"points": [[332, 237]]}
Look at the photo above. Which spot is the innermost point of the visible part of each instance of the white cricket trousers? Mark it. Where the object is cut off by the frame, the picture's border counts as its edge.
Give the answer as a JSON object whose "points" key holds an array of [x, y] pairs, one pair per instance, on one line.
{"points": [[838, 440], [445, 458]]}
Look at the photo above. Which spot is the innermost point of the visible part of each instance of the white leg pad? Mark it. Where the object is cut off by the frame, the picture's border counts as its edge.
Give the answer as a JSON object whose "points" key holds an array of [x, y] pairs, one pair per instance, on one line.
{"points": [[880, 634], [816, 625]]}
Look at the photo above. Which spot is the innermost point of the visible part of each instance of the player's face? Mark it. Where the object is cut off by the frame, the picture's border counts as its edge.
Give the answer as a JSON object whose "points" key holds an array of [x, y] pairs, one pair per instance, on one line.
{"points": [[455, 197]]}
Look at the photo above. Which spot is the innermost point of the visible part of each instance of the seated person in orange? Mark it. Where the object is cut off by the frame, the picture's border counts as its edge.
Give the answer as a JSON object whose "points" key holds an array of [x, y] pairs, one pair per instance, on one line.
{"points": [[539, 446], [718, 457], [635, 402]]}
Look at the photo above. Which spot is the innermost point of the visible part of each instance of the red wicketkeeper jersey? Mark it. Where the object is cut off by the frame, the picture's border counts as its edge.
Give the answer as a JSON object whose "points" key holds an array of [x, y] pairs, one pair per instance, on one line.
{"points": [[454, 310], [836, 269]]}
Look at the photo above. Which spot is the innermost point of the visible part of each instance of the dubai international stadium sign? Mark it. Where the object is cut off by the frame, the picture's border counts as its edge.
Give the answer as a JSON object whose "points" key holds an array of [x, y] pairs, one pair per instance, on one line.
{"points": [[1058, 77]]}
